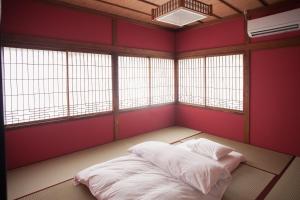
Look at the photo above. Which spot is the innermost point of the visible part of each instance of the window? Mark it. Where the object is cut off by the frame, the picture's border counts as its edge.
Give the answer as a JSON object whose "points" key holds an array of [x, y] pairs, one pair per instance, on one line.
{"points": [[224, 82], [191, 81], [217, 82], [162, 80], [133, 82], [90, 83], [42, 84], [34, 85]]}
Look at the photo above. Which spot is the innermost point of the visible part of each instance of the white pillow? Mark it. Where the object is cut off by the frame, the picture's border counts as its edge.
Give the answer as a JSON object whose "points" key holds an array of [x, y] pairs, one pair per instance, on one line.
{"points": [[230, 161], [191, 168], [209, 148]]}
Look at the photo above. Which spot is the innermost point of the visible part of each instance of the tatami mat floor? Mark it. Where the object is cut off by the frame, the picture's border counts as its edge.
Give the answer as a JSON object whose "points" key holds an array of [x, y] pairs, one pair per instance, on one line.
{"points": [[288, 186], [249, 180], [26, 180]]}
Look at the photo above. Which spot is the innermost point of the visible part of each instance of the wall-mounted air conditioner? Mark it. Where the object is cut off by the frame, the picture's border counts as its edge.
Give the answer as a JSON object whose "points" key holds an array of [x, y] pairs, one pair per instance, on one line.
{"points": [[274, 24]]}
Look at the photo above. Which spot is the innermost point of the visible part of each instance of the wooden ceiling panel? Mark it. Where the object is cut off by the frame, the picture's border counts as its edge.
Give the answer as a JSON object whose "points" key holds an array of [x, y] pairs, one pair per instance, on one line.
{"points": [[159, 2], [274, 1], [245, 4], [140, 10], [115, 10], [132, 4], [219, 8]]}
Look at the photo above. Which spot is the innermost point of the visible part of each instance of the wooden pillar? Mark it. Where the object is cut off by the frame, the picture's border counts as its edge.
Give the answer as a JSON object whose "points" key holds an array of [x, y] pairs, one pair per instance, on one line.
{"points": [[246, 95], [3, 192], [115, 82]]}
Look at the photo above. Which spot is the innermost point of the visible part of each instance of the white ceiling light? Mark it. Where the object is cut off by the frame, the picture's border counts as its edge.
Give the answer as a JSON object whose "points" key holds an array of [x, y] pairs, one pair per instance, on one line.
{"points": [[181, 12]]}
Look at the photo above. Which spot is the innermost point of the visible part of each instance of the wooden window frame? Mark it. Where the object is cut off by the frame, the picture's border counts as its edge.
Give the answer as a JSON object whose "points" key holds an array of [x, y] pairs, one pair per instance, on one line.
{"points": [[58, 119], [41, 43], [150, 105], [204, 56]]}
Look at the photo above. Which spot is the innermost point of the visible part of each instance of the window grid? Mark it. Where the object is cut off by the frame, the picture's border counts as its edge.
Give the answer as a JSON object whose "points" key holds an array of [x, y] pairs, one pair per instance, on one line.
{"points": [[224, 81], [34, 85], [162, 80], [133, 82], [191, 81], [90, 83]]}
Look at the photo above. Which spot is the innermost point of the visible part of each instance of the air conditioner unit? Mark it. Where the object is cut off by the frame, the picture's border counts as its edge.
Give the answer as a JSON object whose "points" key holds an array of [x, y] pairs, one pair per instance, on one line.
{"points": [[274, 24]]}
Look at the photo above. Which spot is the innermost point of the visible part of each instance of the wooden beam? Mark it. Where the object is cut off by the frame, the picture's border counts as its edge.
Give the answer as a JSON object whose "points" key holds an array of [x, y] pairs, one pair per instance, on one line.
{"points": [[13, 40], [280, 6], [216, 16], [290, 42], [150, 3], [231, 6], [263, 2], [123, 7]]}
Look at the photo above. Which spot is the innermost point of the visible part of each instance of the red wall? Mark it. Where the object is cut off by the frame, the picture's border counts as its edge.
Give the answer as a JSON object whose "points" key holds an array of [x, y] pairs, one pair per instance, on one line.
{"points": [[132, 123], [224, 124], [38, 18], [275, 99], [229, 32], [132, 35], [36, 143]]}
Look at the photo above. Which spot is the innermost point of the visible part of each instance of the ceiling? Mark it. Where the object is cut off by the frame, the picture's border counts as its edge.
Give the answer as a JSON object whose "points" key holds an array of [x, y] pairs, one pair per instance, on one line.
{"points": [[140, 10]]}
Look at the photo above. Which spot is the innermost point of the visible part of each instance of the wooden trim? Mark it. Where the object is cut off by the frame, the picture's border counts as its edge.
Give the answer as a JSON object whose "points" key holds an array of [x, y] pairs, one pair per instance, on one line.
{"points": [[246, 96], [13, 40], [68, 84], [150, 3], [56, 120], [290, 42], [149, 75], [3, 186], [205, 89], [145, 107], [97, 12], [212, 108], [176, 81], [213, 51], [216, 16], [263, 2], [246, 85], [123, 7], [231, 6], [115, 94]]}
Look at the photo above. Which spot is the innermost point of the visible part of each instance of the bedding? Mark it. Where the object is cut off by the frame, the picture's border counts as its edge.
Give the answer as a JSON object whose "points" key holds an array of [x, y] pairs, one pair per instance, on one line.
{"points": [[231, 161], [209, 148], [193, 169], [157, 171]]}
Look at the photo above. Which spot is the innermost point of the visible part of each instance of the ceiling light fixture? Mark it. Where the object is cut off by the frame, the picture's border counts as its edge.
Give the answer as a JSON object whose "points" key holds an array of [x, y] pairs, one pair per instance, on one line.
{"points": [[181, 12]]}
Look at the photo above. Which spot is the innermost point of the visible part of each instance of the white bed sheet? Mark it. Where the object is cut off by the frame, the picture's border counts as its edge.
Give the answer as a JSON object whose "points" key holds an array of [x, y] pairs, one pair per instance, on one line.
{"points": [[132, 177]]}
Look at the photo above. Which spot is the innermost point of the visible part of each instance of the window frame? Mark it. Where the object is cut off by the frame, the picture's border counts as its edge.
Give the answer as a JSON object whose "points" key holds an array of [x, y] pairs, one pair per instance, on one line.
{"points": [[68, 117], [150, 105], [205, 106]]}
